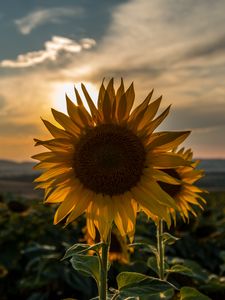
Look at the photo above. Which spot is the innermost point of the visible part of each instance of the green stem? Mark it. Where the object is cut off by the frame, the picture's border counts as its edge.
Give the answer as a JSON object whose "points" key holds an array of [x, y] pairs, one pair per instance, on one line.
{"points": [[161, 250], [104, 270]]}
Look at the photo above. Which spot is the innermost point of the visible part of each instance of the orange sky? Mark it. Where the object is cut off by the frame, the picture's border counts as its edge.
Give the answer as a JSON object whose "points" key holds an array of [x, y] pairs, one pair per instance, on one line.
{"points": [[177, 48]]}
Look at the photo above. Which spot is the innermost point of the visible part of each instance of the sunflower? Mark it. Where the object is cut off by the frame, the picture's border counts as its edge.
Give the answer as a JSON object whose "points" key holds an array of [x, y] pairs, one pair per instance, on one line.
{"points": [[104, 163], [185, 194]]}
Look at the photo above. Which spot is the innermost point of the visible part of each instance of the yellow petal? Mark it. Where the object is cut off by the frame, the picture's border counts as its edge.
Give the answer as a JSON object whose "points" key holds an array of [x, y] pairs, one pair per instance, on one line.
{"points": [[166, 160], [103, 215], [57, 195], [55, 131], [137, 115], [168, 140], [130, 96], [80, 207], [150, 112], [159, 193], [46, 165], [149, 202], [42, 156], [59, 144], [156, 122], [142, 107], [122, 107], [111, 92], [66, 122], [101, 96], [120, 91], [94, 112], [66, 207], [90, 221], [161, 176], [125, 215], [51, 173], [76, 114], [106, 108]]}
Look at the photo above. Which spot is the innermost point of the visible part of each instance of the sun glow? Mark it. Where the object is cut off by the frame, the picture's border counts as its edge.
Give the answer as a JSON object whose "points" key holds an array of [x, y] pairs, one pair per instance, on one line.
{"points": [[60, 89]]}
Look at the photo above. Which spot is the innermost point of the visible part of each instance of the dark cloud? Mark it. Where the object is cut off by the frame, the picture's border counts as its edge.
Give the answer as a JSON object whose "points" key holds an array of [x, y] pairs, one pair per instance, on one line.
{"points": [[2, 102], [208, 48], [93, 22], [13, 129], [197, 116]]}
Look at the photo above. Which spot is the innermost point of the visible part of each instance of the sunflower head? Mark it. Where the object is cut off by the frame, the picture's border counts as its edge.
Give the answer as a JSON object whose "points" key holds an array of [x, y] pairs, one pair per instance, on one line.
{"points": [[105, 161], [184, 192]]}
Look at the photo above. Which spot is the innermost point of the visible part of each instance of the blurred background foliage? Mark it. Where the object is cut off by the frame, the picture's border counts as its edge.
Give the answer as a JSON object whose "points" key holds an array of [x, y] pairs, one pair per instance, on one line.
{"points": [[32, 248]]}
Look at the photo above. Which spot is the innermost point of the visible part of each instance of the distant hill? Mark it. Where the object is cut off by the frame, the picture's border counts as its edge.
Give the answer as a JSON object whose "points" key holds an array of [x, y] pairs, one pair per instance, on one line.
{"points": [[17, 177], [214, 179], [10, 168], [213, 165]]}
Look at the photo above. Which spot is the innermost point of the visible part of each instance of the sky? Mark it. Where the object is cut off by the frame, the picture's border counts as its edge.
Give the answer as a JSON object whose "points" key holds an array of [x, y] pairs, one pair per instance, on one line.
{"points": [[175, 47]]}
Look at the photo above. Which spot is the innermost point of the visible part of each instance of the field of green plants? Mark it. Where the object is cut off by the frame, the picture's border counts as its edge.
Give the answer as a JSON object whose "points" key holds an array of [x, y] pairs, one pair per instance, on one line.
{"points": [[32, 248]]}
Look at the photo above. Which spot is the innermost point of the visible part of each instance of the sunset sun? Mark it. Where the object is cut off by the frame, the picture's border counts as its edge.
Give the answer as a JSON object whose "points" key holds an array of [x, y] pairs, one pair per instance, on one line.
{"points": [[61, 88]]}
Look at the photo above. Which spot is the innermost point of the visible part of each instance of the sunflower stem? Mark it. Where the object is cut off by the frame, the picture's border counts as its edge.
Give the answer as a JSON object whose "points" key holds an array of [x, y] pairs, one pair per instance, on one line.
{"points": [[103, 287], [161, 250]]}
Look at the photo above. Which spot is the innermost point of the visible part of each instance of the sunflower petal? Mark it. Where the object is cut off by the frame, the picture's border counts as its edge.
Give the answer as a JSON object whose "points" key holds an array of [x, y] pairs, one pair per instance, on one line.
{"points": [[149, 202], [103, 215], [162, 176], [94, 112], [166, 160], [76, 114], [66, 122], [61, 144], [66, 207], [57, 195], [156, 122], [122, 108], [168, 140], [142, 107], [55, 131], [101, 96], [53, 172], [150, 112], [90, 221], [80, 207], [106, 108]]}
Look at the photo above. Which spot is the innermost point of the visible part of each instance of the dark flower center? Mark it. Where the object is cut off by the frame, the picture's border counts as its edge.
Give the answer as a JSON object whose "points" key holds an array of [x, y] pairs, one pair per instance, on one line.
{"points": [[109, 159], [171, 189]]}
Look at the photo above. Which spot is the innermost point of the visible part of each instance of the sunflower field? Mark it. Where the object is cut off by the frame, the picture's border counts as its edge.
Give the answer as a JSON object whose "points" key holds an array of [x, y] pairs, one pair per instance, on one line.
{"points": [[32, 248]]}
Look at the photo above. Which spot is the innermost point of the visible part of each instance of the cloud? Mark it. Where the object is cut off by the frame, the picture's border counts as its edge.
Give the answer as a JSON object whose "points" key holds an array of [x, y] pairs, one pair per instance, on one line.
{"points": [[42, 16], [10, 128], [177, 47], [2, 102], [52, 50], [156, 42]]}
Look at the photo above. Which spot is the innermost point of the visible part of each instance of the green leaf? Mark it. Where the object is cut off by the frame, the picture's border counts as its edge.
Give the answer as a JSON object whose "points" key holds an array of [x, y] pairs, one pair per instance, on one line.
{"points": [[133, 284], [222, 255], [169, 239], [166, 295], [88, 265], [188, 293], [81, 248], [197, 272], [126, 278], [181, 269], [152, 264], [147, 247]]}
